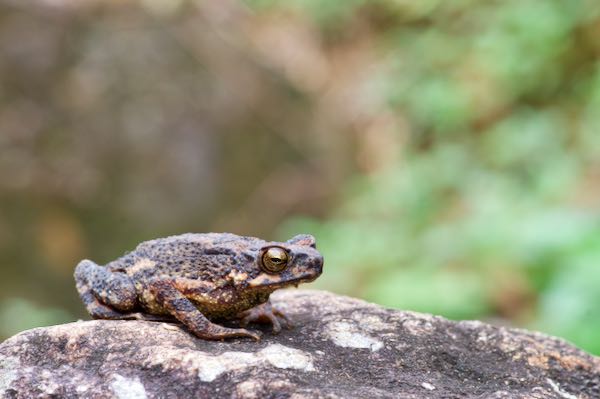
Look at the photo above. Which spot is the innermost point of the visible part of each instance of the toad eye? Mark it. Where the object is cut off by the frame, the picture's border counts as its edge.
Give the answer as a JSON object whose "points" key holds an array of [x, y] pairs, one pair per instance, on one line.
{"points": [[274, 260]]}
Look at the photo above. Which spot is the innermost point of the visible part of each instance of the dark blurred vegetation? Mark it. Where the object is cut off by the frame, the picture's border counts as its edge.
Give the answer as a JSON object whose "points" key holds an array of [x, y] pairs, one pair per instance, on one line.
{"points": [[445, 154]]}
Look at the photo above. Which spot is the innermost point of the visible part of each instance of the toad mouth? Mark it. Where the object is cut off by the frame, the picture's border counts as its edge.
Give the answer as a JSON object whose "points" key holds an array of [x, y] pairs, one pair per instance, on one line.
{"points": [[274, 283]]}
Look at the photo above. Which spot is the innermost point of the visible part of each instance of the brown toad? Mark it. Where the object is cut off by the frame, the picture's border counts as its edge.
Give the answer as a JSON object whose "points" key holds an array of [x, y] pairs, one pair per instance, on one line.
{"points": [[196, 278]]}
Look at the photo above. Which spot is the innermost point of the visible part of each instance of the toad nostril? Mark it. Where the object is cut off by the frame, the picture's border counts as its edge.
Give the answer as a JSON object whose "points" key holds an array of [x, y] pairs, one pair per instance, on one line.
{"points": [[318, 262], [300, 256]]}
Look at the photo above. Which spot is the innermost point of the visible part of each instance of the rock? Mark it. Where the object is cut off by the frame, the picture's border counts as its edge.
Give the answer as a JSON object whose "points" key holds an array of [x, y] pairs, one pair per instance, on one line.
{"points": [[340, 348]]}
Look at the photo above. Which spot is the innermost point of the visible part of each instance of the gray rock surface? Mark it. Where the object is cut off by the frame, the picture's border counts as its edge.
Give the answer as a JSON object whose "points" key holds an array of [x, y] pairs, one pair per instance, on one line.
{"points": [[340, 348]]}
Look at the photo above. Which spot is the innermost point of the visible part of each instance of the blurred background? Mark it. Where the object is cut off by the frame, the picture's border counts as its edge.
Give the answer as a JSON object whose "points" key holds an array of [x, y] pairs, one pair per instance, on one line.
{"points": [[446, 155]]}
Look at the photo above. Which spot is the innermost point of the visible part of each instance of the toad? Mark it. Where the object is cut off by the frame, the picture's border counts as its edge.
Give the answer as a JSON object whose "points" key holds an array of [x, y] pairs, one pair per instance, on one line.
{"points": [[198, 279]]}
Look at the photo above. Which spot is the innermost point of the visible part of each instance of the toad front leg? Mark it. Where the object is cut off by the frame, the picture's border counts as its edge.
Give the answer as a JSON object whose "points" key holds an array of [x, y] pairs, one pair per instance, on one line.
{"points": [[172, 300], [267, 314]]}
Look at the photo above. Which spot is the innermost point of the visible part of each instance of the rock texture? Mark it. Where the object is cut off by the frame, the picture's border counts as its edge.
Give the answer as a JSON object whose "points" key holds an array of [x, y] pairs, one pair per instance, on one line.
{"points": [[340, 348]]}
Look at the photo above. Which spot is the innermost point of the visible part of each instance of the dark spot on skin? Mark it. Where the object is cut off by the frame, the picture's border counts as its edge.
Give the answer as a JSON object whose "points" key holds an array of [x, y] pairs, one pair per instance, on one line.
{"points": [[299, 257], [220, 251]]}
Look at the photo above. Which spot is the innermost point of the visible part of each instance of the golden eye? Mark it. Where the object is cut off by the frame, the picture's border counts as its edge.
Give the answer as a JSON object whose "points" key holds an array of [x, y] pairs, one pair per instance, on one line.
{"points": [[274, 260]]}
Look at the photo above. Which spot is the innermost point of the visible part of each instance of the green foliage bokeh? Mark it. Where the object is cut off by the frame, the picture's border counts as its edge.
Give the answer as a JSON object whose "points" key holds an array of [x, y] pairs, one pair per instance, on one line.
{"points": [[490, 209]]}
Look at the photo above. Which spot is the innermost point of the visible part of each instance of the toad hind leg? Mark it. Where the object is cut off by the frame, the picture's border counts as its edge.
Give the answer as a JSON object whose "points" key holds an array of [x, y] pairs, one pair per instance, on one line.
{"points": [[184, 310], [106, 295]]}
